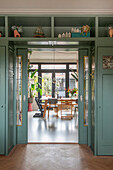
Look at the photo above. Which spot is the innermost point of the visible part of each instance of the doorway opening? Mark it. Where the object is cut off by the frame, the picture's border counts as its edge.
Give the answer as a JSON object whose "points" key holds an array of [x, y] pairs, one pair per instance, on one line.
{"points": [[53, 75]]}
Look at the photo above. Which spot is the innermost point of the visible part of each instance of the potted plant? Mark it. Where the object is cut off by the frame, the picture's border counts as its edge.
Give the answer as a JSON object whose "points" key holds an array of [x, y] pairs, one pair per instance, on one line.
{"points": [[73, 92], [33, 87]]}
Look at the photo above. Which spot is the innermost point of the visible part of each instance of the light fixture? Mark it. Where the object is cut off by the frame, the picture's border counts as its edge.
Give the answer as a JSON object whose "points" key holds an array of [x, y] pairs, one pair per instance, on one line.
{"points": [[53, 43]]}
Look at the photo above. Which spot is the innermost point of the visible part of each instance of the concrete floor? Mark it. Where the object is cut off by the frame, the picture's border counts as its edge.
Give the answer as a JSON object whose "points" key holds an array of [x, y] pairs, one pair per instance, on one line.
{"points": [[52, 129], [54, 157]]}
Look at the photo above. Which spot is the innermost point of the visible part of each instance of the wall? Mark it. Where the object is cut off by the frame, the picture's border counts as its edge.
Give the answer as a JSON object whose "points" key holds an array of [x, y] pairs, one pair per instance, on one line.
{"points": [[55, 6]]}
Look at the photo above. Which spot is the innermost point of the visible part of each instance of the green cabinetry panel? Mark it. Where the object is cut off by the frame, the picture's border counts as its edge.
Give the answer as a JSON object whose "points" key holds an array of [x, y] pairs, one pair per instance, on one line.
{"points": [[2, 100], [105, 101]]}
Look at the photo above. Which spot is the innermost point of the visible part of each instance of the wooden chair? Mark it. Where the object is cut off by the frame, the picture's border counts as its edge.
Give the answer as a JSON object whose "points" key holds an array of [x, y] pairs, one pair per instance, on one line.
{"points": [[45, 107], [52, 103], [65, 105]]}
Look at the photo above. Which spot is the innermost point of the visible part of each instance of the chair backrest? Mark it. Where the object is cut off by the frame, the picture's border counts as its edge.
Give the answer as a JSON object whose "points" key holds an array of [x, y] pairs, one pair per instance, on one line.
{"points": [[52, 101], [77, 101], [66, 104]]}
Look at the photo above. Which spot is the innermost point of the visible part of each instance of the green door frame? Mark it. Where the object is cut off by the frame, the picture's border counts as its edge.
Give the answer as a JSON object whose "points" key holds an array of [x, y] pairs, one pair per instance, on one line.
{"points": [[82, 140], [84, 131]]}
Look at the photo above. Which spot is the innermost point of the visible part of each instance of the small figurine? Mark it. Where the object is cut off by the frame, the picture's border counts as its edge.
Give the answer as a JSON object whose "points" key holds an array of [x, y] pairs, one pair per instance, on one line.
{"points": [[17, 30], [0, 33], [63, 35], [110, 32], [59, 36], [85, 29], [39, 33], [72, 30], [69, 35]]}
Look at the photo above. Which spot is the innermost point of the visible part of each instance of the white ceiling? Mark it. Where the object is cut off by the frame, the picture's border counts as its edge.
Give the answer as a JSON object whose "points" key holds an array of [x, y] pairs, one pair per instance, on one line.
{"points": [[54, 56]]}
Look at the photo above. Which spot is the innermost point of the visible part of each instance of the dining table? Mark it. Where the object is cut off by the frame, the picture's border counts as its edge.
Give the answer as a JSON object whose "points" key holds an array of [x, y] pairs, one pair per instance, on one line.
{"points": [[45, 99]]}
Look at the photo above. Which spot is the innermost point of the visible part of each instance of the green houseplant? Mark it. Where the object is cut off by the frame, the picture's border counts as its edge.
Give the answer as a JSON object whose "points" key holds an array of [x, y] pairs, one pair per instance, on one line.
{"points": [[34, 86]]}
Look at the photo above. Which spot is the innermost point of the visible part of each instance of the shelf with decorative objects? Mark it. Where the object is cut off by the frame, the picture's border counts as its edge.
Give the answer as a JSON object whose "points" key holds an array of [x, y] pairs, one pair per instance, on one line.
{"points": [[13, 27]]}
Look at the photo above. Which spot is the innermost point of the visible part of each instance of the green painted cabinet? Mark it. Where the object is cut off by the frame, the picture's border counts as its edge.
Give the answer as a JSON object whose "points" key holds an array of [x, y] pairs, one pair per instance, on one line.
{"points": [[2, 100], [105, 101]]}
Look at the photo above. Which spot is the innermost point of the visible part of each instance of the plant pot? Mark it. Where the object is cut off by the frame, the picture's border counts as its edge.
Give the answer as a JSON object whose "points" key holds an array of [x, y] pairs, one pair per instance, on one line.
{"points": [[30, 100]]}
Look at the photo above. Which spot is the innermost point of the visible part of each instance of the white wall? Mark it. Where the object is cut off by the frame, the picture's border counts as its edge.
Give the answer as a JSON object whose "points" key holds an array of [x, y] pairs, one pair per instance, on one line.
{"points": [[56, 6]]}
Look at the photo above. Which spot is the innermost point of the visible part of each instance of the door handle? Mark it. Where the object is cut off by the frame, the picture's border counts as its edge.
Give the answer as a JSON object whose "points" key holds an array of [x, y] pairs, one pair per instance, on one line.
{"points": [[24, 98], [2, 106]]}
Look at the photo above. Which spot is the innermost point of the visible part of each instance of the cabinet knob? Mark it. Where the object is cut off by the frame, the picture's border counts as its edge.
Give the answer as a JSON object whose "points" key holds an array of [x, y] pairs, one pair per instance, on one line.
{"points": [[2, 106]]}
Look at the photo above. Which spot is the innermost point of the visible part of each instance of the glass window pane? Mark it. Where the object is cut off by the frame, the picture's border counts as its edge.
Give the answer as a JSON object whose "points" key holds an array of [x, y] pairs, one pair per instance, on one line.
{"points": [[73, 66], [19, 90], [86, 90], [107, 62], [60, 85], [33, 66], [72, 81], [53, 66], [46, 84]]}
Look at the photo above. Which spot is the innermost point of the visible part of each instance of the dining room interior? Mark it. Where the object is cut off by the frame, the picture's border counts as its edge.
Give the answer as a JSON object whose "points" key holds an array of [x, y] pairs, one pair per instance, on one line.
{"points": [[53, 95]]}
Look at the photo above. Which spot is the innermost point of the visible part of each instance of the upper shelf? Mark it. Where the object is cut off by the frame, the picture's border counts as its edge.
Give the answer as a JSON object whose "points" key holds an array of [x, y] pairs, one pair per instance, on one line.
{"points": [[52, 26]]}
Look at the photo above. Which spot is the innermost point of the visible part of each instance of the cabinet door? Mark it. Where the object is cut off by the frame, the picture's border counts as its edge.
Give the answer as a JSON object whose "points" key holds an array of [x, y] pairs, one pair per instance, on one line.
{"points": [[2, 100], [105, 102]]}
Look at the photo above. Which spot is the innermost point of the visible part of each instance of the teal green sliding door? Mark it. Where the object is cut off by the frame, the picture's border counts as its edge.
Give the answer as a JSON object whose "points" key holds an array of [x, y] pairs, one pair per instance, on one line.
{"points": [[2, 100], [105, 101]]}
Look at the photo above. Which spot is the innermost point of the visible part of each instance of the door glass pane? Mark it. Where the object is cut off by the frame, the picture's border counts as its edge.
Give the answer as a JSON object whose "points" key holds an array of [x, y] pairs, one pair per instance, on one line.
{"points": [[60, 85], [19, 90], [46, 84], [107, 62], [72, 66], [53, 66], [85, 90], [32, 84], [72, 81]]}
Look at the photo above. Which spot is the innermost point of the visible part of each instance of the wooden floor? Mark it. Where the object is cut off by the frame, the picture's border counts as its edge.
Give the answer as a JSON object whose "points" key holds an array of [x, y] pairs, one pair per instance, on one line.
{"points": [[54, 157], [52, 130]]}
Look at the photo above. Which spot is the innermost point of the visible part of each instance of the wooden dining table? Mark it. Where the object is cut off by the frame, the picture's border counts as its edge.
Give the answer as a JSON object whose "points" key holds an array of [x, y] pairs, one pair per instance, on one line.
{"points": [[59, 102]]}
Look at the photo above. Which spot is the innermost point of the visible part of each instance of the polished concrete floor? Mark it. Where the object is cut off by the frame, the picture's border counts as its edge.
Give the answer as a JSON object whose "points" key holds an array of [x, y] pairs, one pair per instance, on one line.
{"points": [[54, 157], [52, 130]]}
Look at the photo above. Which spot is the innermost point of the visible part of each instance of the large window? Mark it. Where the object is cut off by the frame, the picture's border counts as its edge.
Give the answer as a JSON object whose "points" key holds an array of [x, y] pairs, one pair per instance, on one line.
{"points": [[55, 79], [46, 84], [60, 85]]}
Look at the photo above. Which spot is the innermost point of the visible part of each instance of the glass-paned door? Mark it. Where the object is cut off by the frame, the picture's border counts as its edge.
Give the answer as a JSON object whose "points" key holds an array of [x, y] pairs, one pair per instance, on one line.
{"points": [[46, 84], [60, 85], [72, 81]]}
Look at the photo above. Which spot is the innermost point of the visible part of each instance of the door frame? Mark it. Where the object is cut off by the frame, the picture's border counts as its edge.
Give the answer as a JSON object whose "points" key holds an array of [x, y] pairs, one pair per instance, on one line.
{"points": [[89, 116]]}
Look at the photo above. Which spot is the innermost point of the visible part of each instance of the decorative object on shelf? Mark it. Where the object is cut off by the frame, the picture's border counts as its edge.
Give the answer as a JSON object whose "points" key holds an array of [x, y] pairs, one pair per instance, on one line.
{"points": [[75, 30], [80, 32], [17, 30], [73, 92], [39, 33], [69, 35], [0, 33], [110, 31], [85, 29], [59, 36], [64, 35]]}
